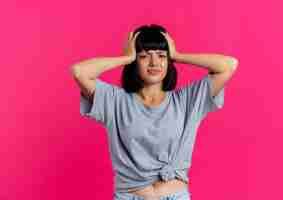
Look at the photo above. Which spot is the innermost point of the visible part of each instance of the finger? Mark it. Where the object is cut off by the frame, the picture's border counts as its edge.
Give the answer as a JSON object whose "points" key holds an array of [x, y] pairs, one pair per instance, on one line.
{"points": [[165, 35], [130, 35], [136, 35]]}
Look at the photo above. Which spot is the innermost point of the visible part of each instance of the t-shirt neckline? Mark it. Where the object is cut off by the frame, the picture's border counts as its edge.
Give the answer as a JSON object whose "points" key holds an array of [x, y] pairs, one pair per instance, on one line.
{"points": [[152, 108]]}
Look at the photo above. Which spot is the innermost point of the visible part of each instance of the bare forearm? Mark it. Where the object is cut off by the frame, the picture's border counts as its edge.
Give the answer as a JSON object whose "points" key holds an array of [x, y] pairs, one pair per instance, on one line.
{"points": [[93, 67], [216, 63]]}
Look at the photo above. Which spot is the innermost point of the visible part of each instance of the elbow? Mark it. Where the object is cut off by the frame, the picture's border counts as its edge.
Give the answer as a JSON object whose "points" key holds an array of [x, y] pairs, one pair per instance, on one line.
{"points": [[235, 63], [75, 70], [232, 62]]}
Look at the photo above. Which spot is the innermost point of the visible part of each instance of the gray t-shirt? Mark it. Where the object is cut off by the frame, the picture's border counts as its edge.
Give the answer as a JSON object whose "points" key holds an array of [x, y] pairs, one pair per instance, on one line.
{"points": [[149, 143]]}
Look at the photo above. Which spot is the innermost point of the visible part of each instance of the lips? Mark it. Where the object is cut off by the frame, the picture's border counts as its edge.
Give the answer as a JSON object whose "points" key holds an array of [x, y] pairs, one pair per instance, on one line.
{"points": [[154, 71]]}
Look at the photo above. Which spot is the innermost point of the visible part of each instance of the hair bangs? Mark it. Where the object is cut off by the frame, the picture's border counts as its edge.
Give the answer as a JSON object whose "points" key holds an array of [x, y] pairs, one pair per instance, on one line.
{"points": [[149, 38], [151, 41]]}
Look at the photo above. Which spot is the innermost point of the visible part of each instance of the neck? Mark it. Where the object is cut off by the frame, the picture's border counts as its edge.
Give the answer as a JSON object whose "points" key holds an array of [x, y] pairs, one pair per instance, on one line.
{"points": [[151, 95]]}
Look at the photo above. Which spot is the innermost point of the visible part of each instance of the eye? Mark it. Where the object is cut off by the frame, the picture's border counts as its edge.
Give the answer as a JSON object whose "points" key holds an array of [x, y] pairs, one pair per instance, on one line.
{"points": [[163, 56], [142, 56]]}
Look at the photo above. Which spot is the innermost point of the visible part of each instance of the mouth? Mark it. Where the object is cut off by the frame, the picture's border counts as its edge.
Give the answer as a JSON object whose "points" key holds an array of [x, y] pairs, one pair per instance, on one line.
{"points": [[154, 71]]}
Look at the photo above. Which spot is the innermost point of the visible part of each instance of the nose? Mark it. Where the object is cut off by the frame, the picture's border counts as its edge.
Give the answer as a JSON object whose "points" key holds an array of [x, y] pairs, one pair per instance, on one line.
{"points": [[153, 61]]}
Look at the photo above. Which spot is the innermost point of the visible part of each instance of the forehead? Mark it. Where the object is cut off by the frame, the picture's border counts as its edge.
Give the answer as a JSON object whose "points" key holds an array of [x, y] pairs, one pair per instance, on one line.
{"points": [[153, 51]]}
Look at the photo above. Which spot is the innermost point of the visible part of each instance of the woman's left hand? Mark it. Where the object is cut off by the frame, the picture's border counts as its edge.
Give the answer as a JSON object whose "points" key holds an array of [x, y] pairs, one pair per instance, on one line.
{"points": [[172, 49]]}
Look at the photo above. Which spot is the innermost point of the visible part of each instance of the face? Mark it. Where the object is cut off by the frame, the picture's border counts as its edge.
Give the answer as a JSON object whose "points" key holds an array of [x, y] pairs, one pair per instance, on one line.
{"points": [[152, 65]]}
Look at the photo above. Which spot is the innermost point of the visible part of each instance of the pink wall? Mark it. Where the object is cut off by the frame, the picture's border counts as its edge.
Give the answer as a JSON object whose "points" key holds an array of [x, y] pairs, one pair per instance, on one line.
{"points": [[48, 151]]}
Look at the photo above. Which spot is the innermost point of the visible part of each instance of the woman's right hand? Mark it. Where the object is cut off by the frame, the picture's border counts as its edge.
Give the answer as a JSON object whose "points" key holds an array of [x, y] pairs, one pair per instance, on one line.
{"points": [[129, 49]]}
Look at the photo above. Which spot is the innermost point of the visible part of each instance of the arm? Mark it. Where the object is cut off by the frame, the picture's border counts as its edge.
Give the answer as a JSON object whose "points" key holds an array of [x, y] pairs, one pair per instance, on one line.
{"points": [[215, 63], [220, 67], [86, 72], [92, 68]]}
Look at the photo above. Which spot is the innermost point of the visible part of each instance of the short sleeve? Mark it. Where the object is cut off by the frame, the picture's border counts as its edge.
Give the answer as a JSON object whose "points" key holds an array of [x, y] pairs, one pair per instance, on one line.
{"points": [[198, 97], [103, 104]]}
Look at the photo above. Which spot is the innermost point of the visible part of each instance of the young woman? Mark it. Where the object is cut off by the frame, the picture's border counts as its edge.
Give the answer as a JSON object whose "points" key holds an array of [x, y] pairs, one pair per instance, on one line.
{"points": [[150, 124]]}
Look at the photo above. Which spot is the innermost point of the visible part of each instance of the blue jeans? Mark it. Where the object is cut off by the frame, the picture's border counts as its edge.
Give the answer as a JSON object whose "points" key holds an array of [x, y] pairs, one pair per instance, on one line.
{"points": [[180, 195]]}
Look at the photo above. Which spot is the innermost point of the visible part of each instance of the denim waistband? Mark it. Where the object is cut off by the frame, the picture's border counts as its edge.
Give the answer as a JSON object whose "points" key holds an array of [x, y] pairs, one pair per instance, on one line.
{"points": [[131, 196]]}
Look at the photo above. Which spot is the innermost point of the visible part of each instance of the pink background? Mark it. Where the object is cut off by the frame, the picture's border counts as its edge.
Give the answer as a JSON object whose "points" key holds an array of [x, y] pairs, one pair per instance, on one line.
{"points": [[48, 151]]}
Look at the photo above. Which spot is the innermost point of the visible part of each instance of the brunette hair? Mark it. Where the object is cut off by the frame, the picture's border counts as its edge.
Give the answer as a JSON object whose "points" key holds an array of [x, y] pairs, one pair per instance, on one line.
{"points": [[149, 38]]}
